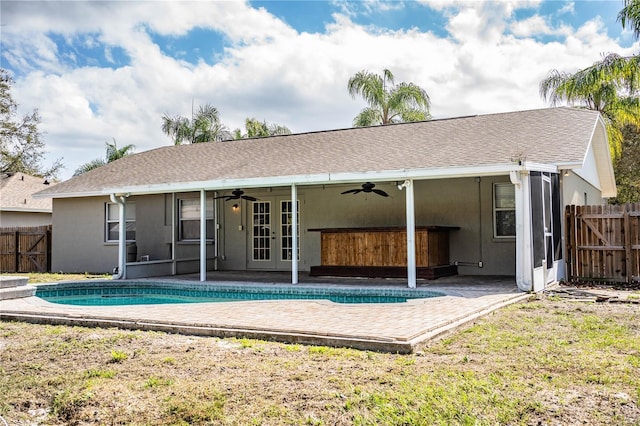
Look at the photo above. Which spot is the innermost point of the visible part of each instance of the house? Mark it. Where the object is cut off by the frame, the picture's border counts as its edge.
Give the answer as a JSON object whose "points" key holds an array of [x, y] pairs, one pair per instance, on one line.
{"points": [[497, 184], [17, 206]]}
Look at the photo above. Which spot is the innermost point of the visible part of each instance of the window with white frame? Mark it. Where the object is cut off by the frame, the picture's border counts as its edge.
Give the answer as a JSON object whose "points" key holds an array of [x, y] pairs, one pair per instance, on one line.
{"points": [[189, 219], [504, 210], [112, 222]]}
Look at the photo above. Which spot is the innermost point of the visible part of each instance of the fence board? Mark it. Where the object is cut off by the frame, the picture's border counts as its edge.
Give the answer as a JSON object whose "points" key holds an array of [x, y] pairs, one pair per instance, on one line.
{"points": [[603, 242], [25, 249]]}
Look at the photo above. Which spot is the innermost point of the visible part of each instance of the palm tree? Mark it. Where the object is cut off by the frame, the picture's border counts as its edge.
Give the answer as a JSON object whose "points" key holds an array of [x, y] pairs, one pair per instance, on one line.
{"points": [[388, 102], [259, 129], [630, 14], [113, 153], [204, 126], [609, 86]]}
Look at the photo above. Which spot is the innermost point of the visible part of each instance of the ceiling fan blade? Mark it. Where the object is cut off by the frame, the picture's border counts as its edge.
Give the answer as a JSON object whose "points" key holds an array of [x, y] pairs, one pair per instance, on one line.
{"points": [[222, 196], [355, 191], [249, 198], [380, 192]]}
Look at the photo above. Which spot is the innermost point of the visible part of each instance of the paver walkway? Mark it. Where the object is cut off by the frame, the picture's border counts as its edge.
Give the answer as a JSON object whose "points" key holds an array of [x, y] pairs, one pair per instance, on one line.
{"points": [[394, 327]]}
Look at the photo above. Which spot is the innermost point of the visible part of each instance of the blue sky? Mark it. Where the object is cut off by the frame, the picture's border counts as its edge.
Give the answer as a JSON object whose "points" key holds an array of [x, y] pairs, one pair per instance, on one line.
{"points": [[110, 69]]}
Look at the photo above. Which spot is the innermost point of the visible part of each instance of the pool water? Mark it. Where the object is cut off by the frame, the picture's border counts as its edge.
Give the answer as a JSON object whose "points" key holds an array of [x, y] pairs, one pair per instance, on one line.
{"points": [[110, 293]]}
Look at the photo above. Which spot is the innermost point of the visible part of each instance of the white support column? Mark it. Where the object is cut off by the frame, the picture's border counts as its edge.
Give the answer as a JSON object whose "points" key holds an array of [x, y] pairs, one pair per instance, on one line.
{"points": [[203, 235], [122, 238], [173, 234], [294, 230], [411, 234], [524, 243]]}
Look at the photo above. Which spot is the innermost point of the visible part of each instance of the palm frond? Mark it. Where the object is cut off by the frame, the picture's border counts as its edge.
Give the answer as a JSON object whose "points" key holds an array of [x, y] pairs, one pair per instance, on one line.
{"points": [[630, 16]]}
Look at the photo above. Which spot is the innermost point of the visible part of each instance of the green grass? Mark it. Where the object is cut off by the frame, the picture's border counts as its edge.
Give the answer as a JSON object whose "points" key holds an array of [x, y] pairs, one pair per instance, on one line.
{"points": [[49, 277], [540, 362]]}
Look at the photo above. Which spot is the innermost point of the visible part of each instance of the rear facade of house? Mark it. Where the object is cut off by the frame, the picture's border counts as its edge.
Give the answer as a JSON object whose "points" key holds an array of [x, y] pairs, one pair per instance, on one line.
{"points": [[480, 195]]}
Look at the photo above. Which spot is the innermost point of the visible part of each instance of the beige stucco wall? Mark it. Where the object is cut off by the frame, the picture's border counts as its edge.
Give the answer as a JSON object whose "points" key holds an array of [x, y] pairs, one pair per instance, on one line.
{"points": [[78, 224], [11, 219], [577, 191], [78, 236], [455, 202]]}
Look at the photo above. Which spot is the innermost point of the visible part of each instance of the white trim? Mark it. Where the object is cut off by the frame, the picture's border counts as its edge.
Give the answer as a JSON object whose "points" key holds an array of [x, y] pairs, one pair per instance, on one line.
{"points": [[411, 234], [294, 238], [332, 178], [25, 210], [203, 235]]}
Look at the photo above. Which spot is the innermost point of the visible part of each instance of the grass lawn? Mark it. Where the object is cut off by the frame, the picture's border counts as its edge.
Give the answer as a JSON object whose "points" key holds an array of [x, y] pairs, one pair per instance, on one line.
{"points": [[50, 277], [546, 361]]}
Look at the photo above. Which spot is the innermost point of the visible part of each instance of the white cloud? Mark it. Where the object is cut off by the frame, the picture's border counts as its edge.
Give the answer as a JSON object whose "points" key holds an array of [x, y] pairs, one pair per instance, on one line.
{"points": [[269, 70], [569, 8]]}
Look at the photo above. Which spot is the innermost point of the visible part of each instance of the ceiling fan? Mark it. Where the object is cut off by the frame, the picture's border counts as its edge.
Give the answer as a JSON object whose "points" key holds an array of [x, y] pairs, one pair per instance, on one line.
{"points": [[236, 195], [366, 188]]}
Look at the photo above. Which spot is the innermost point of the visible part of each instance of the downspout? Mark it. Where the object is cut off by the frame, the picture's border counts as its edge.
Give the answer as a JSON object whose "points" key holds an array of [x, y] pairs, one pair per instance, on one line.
{"points": [[122, 235]]}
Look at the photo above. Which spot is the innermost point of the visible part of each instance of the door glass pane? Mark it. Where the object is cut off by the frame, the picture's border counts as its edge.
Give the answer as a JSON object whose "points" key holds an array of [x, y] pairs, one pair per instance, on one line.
{"points": [[546, 194], [286, 234], [261, 230]]}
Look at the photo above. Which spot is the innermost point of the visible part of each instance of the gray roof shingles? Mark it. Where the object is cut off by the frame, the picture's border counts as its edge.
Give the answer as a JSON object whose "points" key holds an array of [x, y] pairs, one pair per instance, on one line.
{"points": [[547, 136]]}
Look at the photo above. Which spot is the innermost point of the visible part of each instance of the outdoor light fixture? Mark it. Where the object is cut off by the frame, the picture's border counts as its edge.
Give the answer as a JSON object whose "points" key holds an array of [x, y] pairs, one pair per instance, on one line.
{"points": [[235, 207], [566, 173]]}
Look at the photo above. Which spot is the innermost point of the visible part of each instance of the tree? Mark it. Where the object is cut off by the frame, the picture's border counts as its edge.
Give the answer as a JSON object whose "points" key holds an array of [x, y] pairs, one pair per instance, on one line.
{"points": [[204, 126], [260, 129], [388, 102], [21, 146], [630, 14], [626, 167], [113, 153], [609, 86]]}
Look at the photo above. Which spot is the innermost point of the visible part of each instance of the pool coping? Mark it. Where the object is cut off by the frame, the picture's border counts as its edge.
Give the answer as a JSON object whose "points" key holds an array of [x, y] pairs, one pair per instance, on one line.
{"points": [[378, 327]]}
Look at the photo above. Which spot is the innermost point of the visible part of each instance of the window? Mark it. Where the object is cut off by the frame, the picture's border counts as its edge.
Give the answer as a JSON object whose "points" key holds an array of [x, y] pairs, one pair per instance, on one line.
{"points": [[504, 210], [286, 220], [112, 222], [189, 219]]}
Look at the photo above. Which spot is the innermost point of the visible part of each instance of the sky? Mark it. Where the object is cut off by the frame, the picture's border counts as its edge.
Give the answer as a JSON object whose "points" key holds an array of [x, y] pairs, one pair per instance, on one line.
{"points": [[104, 70]]}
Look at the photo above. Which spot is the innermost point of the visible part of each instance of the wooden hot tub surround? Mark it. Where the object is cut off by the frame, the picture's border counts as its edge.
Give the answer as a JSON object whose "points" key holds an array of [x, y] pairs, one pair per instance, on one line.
{"points": [[382, 252]]}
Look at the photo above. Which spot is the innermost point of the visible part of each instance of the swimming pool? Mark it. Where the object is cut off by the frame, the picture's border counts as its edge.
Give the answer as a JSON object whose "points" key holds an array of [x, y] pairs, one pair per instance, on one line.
{"points": [[115, 293]]}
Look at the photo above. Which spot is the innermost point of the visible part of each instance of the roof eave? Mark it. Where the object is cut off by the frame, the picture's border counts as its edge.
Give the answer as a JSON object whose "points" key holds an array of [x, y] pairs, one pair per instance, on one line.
{"points": [[24, 210], [329, 178]]}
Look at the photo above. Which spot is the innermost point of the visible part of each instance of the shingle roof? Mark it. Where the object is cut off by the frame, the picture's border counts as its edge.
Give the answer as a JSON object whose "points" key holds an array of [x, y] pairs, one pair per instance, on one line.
{"points": [[16, 190], [546, 136]]}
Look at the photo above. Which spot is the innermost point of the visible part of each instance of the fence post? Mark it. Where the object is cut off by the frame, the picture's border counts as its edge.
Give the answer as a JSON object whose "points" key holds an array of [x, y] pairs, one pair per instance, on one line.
{"points": [[627, 243], [17, 249], [568, 238], [48, 249]]}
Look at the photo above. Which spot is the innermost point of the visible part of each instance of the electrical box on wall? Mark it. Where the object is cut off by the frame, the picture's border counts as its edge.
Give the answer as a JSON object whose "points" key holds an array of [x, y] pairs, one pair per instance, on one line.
{"points": [[240, 228]]}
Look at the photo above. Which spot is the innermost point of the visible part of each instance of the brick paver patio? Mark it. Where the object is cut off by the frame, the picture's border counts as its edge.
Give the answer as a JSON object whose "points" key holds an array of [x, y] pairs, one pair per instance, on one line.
{"points": [[395, 327]]}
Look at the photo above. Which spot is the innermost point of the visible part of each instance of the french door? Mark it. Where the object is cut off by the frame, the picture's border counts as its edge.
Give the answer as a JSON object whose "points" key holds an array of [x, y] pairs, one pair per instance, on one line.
{"points": [[270, 244]]}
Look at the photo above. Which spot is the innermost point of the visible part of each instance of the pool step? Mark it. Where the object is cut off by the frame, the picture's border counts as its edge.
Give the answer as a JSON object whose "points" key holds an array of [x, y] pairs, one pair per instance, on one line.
{"points": [[13, 281], [15, 288]]}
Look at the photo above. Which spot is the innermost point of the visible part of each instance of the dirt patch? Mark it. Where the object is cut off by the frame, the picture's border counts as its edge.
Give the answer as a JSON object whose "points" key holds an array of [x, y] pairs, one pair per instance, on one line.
{"points": [[547, 361]]}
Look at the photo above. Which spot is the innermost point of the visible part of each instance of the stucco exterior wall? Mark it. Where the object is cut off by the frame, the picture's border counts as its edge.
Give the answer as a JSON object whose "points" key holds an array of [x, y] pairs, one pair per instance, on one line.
{"points": [[78, 242], [11, 219], [466, 203], [577, 191], [78, 236]]}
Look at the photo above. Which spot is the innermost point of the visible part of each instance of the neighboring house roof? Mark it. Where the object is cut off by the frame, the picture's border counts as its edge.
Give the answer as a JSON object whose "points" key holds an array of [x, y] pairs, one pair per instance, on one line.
{"points": [[16, 191], [465, 146]]}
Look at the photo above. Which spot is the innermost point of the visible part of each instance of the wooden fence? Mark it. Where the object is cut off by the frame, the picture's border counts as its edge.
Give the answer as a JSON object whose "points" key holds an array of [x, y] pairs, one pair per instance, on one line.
{"points": [[25, 249], [603, 243]]}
